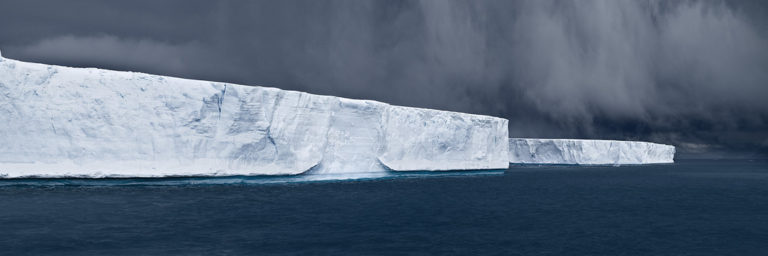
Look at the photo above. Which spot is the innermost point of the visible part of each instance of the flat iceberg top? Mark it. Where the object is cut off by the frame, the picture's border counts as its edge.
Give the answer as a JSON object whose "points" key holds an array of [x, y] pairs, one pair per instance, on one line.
{"points": [[588, 152], [83, 122]]}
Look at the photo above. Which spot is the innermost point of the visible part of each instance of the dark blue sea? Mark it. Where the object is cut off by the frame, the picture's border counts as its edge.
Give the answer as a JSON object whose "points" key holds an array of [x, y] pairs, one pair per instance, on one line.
{"points": [[693, 207]]}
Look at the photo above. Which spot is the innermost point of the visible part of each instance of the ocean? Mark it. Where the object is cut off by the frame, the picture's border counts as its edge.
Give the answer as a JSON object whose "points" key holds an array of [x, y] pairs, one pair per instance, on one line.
{"points": [[692, 207]]}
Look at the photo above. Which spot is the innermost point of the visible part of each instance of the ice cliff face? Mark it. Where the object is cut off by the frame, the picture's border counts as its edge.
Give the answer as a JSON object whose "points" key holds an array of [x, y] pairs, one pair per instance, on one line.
{"points": [[74, 122], [588, 152]]}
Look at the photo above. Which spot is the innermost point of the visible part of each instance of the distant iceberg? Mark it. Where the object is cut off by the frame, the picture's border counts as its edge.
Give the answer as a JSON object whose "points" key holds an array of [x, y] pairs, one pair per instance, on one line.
{"points": [[588, 152], [84, 122]]}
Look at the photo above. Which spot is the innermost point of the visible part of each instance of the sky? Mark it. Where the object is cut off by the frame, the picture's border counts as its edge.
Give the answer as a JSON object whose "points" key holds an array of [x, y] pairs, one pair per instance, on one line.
{"points": [[693, 74]]}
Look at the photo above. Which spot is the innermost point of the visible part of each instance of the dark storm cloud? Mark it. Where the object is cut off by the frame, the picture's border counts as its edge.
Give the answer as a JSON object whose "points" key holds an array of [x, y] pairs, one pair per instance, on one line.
{"points": [[689, 73]]}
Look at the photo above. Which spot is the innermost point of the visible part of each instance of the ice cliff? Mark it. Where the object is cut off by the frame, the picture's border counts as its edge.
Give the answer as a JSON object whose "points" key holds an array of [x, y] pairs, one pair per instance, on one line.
{"points": [[588, 152], [83, 122]]}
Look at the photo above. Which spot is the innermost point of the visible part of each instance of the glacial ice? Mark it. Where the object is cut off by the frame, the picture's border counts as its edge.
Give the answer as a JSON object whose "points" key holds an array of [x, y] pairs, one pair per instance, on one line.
{"points": [[588, 152], [83, 122]]}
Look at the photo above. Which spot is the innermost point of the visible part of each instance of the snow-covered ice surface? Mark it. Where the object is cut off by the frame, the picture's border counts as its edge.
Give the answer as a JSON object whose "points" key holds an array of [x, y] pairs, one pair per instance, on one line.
{"points": [[588, 152], [83, 122]]}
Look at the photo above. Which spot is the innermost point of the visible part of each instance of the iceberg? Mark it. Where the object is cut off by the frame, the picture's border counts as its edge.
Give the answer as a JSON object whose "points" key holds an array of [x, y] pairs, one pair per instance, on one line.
{"points": [[588, 152], [60, 121]]}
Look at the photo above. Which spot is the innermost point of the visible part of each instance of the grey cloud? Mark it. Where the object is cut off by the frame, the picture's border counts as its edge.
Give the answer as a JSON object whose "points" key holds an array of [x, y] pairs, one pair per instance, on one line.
{"points": [[107, 50]]}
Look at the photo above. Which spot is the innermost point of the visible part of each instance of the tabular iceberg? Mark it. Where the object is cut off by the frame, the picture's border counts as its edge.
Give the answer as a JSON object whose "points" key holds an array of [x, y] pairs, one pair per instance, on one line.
{"points": [[588, 152], [83, 122]]}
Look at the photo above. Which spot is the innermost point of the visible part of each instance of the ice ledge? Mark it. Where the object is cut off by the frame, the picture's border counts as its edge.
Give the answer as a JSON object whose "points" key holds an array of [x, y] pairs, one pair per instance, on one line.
{"points": [[588, 152]]}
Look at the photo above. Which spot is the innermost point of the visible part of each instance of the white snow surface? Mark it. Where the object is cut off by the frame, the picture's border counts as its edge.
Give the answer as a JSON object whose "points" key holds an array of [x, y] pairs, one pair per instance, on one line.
{"points": [[83, 122], [588, 152]]}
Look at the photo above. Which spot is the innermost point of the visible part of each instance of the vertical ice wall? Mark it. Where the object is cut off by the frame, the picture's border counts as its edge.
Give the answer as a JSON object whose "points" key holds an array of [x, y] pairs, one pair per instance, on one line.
{"points": [[58, 121], [423, 139], [588, 152]]}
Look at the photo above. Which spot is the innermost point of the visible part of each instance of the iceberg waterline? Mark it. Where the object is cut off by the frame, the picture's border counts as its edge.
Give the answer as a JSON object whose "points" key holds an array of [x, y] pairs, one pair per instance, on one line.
{"points": [[83, 122]]}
